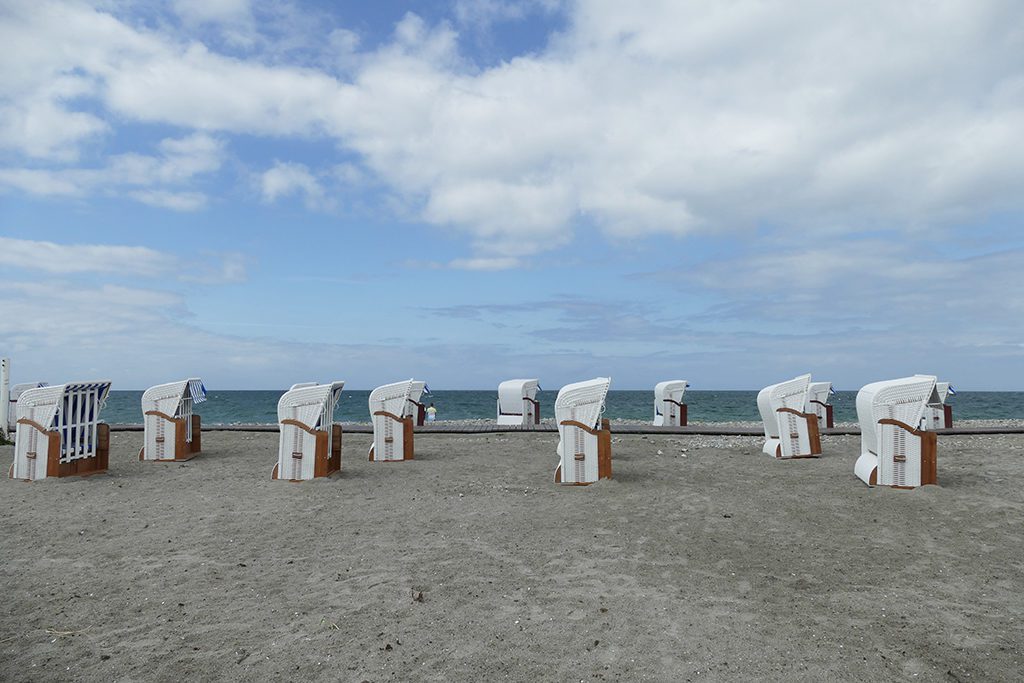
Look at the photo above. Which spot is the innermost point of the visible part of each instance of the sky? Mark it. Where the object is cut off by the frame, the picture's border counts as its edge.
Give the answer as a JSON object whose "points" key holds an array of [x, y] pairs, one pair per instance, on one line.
{"points": [[732, 192]]}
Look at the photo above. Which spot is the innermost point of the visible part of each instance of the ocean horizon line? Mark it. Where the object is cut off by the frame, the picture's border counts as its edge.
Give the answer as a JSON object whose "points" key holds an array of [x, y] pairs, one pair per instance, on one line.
{"points": [[494, 389]]}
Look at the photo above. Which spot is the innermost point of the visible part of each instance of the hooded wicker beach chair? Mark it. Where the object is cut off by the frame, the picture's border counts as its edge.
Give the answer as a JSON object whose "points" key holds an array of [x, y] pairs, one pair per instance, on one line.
{"points": [[584, 438], [895, 450], [12, 402], [59, 433], [669, 409], [172, 432], [391, 410], [310, 441], [790, 431], [517, 404], [937, 414], [818, 394]]}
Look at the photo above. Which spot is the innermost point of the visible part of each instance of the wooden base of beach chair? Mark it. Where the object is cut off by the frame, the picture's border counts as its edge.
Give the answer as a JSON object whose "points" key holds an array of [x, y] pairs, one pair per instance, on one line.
{"points": [[184, 450], [604, 456], [326, 463], [813, 436], [947, 417], [929, 454], [929, 458], [930, 467], [82, 467], [407, 438]]}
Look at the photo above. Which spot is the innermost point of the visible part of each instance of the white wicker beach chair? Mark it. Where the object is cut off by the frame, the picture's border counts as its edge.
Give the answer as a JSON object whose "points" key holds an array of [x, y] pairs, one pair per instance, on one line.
{"points": [[517, 404], [12, 402], [59, 433], [172, 432], [818, 394], [937, 414], [895, 451], [584, 439], [669, 408], [310, 441], [391, 412], [789, 431]]}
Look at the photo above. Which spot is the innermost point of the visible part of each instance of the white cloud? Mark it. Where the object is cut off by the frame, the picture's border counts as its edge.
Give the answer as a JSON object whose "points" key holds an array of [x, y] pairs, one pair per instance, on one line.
{"points": [[79, 258], [291, 179], [531, 216], [499, 263], [41, 128], [55, 56], [676, 118], [178, 201], [705, 117], [49, 319], [40, 182], [71, 259], [181, 160]]}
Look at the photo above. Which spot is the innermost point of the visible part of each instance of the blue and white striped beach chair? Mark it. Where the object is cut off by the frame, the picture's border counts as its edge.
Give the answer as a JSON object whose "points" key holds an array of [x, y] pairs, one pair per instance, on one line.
{"points": [[59, 432]]}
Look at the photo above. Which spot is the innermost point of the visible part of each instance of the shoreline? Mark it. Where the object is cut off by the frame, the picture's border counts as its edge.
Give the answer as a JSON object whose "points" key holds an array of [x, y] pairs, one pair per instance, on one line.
{"points": [[730, 428]]}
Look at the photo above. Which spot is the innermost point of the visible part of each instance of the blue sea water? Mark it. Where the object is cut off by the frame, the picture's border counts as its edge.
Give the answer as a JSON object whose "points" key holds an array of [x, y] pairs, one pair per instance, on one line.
{"points": [[260, 407]]}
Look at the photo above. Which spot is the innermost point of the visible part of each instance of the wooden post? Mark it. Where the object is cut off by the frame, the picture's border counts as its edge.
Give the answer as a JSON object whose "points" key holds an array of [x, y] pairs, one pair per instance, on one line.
{"points": [[407, 449], [197, 434], [604, 450], [929, 459], [181, 446], [814, 435]]}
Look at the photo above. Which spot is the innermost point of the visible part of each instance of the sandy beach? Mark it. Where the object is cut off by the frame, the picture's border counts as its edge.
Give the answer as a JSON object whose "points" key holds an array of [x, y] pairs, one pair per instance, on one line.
{"points": [[701, 560]]}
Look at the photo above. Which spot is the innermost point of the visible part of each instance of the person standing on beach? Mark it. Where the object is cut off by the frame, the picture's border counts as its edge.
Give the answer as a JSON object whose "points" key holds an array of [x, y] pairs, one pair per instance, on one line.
{"points": [[431, 413]]}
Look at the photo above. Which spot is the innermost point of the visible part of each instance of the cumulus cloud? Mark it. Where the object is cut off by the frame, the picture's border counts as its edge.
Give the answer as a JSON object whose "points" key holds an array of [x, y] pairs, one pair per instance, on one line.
{"points": [[704, 117], [290, 179]]}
